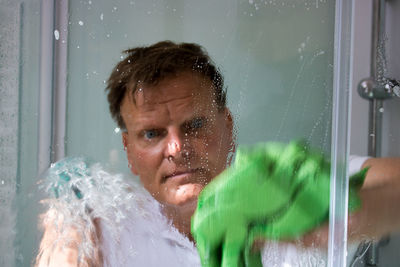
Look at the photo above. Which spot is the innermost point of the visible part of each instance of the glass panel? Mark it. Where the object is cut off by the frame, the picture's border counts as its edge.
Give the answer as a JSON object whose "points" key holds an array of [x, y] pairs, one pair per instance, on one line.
{"points": [[277, 59]]}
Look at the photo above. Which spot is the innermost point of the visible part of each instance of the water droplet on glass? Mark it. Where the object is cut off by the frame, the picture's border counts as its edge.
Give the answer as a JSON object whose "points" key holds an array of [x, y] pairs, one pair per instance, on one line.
{"points": [[56, 34], [115, 8], [80, 23], [101, 16], [2, 181], [381, 110], [77, 46], [90, 2]]}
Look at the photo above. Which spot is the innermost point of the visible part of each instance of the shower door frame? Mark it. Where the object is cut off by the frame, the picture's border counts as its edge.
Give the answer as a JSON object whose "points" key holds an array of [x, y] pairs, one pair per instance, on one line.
{"points": [[340, 148]]}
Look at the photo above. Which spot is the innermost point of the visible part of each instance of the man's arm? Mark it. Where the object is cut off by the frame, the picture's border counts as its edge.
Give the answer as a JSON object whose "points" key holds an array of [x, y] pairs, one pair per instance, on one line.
{"points": [[380, 195], [380, 211], [382, 172]]}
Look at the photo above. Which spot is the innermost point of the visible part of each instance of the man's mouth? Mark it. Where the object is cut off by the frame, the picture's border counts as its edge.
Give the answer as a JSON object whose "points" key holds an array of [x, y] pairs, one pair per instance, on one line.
{"points": [[181, 175]]}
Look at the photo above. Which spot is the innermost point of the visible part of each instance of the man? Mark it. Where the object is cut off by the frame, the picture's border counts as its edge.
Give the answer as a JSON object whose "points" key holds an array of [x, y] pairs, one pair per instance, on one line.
{"points": [[177, 130], [170, 103]]}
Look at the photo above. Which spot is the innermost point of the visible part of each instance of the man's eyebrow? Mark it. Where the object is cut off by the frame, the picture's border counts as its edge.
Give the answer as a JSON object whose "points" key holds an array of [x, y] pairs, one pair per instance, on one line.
{"points": [[189, 121], [145, 125], [150, 126]]}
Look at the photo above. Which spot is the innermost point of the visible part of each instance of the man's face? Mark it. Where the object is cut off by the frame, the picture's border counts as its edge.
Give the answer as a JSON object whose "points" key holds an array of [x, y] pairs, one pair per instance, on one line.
{"points": [[176, 141]]}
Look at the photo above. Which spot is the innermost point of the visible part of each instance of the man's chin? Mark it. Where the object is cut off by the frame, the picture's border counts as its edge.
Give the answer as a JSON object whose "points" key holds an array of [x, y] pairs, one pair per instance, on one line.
{"points": [[186, 195]]}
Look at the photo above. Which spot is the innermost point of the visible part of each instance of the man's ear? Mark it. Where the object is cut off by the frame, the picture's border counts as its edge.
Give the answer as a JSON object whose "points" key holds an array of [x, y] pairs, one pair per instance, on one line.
{"points": [[125, 143], [124, 136], [230, 127]]}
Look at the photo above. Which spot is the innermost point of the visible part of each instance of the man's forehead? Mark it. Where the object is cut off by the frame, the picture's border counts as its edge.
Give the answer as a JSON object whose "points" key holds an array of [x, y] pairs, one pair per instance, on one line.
{"points": [[155, 115], [178, 98], [183, 87]]}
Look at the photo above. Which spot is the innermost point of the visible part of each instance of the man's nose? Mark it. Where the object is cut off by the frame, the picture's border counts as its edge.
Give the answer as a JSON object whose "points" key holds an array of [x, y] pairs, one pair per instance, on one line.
{"points": [[177, 146], [174, 147]]}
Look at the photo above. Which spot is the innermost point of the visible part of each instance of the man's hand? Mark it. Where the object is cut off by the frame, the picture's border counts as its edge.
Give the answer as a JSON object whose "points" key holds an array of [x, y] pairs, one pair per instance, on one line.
{"points": [[272, 192], [70, 233], [60, 245]]}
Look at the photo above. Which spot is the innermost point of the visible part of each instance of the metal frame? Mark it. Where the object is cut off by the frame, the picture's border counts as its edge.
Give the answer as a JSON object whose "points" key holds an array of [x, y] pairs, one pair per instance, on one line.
{"points": [[337, 242], [46, 85], [60, 81], [53, 82]]}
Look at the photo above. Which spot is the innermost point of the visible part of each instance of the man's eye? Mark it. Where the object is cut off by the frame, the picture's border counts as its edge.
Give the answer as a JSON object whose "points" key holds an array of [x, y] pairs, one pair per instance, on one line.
{"points": [[150, 134], [197, 123]]}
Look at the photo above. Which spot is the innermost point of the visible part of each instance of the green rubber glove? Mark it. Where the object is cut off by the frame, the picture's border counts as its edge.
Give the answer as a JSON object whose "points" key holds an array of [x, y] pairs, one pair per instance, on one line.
{"points": [[272, 191]]}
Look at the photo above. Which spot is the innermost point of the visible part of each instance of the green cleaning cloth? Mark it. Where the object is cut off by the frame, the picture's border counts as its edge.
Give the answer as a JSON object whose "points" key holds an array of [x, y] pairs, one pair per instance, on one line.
{"points": [[273, 191]]}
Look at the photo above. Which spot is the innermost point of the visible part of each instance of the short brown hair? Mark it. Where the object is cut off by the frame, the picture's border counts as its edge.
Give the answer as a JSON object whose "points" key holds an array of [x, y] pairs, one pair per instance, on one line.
{"points": [[150, 65]]}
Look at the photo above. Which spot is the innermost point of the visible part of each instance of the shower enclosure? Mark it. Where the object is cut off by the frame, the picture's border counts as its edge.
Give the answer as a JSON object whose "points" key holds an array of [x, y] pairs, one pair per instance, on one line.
{"points": [[287, 68]]}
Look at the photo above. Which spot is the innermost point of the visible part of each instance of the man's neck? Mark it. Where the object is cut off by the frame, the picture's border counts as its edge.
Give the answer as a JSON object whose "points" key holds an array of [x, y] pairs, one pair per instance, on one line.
{"points": [[180, 217]]}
